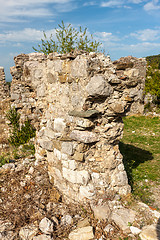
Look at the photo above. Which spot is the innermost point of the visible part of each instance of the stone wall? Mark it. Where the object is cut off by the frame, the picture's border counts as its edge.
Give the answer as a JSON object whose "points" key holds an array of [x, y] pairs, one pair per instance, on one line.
{"points": [[4, 106], [76, 103]]}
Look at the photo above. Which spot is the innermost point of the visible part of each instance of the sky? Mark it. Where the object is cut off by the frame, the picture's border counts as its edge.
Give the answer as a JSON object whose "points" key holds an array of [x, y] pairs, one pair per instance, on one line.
{"points": [[125, 27]]}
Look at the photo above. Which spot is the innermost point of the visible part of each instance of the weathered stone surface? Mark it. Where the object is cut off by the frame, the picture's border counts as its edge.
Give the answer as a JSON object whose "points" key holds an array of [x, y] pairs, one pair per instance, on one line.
{"points": [[84, 114], [84, 123], [101, 212], [67, 147], [42, 237], [117, 107], [98, 86], [150, 232], [59, 124], [78, 156], [84, 233], [66, 220], [83, 223], [135, 230], [84, 136], [86, 191], [122, 217], [28, 232], [79, 177], [123, 65], [132, 72], [46, 144], [46, 226]]}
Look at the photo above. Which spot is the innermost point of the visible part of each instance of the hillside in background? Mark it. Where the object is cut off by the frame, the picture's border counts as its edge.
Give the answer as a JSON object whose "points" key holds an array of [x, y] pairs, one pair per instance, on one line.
{"points": [[153, 61], [152, 84]]}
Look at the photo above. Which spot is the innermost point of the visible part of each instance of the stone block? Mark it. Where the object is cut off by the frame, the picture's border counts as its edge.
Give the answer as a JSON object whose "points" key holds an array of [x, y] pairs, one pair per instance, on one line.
{"points": [[78, 156], [79, 67], [119, 178], [101, 212], [84, 123], [51, 78], [84, 136], [46, 226], [67, 147], [86, 192], [84, 233], [84, 114], [98, 87], [117, 107], [150, 232], [48, 132], [46, 144], [132, 72], [28, 232], [59, 124], [122, 217], [79, 177]]}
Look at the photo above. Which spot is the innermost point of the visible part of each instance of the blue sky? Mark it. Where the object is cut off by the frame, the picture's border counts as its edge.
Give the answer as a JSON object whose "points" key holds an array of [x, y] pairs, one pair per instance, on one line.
{"points": [[125, 27]]}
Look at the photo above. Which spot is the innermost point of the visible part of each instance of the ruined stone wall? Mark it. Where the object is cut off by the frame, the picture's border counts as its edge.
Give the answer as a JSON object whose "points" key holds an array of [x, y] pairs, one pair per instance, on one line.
{"points": [[76, 102], [4, 106]]}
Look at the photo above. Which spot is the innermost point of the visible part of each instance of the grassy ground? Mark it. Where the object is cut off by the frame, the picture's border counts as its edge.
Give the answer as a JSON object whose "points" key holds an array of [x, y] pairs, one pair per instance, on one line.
{"points": [[140, 147]]}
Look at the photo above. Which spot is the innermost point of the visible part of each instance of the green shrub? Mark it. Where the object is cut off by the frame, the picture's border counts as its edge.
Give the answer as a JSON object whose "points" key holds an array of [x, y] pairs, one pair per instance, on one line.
{"points": [[19, 134], [3, 160], [68, 39]]}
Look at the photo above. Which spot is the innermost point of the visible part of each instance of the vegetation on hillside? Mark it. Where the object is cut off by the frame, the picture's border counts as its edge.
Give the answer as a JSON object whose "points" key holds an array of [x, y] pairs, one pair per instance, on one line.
{"points": [[68, 39], [152, 84]]}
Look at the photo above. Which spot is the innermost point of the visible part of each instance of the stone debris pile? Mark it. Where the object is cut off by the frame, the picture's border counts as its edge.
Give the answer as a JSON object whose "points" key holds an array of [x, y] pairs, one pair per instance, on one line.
{"points": [[30, 209]]}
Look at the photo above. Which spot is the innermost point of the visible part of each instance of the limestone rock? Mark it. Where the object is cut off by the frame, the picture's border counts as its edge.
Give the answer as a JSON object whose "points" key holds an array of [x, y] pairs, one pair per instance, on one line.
{"points": [[84, 114], [84, 136], [28, 232], [86, 191], [122, 217], [42, 237], [66, 220], [46, 226], [79, 177], [101, 211], [83, 223], [46, 144], [150, 232], [117, 107], [59, 124], [98, 86], [67, 147], [84, 233], [78, 156], [135, 230]]}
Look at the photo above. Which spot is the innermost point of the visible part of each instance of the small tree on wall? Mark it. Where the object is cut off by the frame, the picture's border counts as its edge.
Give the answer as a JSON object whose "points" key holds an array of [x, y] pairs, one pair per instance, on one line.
{"points": [[68, 39]]}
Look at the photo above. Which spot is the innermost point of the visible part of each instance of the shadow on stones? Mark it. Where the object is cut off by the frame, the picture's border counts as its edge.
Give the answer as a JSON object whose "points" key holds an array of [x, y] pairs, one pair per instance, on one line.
{"points": [[132, 157], [158, 229]]}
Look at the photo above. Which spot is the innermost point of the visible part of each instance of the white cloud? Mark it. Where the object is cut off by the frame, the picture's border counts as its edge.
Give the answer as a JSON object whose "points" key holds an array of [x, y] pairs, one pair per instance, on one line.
{"points": [[120, 3], [13, 10], [112, 3], [152, 5], [147, 34], [105, 37], [91, 3], [25, 35]]}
